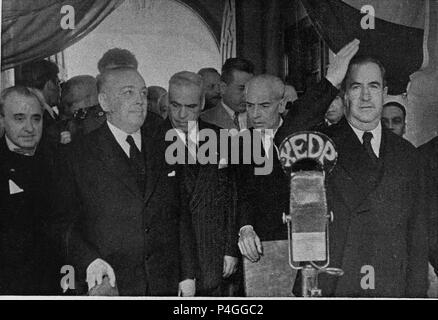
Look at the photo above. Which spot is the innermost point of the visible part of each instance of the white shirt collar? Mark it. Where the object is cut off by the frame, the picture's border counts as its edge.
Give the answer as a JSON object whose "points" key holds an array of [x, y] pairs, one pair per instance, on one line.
{"points": [[228, 110], [121, 136], [268, 137], [242, 116], [13, 147], [193, 136], [375, 141]]}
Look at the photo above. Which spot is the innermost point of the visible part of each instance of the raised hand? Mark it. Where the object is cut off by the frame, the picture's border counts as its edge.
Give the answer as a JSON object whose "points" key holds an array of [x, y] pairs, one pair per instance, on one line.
{"points": [[338, 68]]}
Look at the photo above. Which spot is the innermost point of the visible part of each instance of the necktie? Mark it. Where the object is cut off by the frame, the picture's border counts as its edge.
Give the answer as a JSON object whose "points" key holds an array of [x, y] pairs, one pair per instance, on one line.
{"points": [[367, 136], [236, 120], [136, 161]]}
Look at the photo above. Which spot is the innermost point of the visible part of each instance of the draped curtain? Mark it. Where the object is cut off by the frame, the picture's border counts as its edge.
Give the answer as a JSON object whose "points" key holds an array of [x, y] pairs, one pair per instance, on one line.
{"points": [[405, 39], [398, 46], [32, 29]]}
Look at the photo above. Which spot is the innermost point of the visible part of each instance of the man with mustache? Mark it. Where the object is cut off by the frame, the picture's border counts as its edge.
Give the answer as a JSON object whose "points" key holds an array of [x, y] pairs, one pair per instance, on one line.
{"points": [[212, 87], [230, 113], [394, 117]]}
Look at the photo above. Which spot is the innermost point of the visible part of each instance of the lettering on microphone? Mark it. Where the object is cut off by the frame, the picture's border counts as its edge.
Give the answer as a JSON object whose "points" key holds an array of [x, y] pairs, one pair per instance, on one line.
{"points": [[308, 145], [368, 280]]}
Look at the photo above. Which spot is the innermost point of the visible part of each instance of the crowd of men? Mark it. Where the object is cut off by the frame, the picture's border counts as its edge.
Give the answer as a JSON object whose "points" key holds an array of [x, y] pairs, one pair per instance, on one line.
{"points": [[85, 180]]}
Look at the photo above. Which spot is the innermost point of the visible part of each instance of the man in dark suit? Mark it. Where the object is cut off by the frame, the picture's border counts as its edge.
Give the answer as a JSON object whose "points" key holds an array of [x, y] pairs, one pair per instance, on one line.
{"points": [[210, 186], [126, 218], [27, 259], [212, 87], [91, 116], [154, 95], [43, 75], [230, 112], [377, 195], [333, 115], [268, 195], [79, 94], [429, 153], [394, 116]]}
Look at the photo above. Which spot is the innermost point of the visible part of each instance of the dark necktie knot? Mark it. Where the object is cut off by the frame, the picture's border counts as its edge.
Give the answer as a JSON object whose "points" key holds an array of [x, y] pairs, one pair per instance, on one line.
{"points": [[236, 119], [137, 162], [367, 137], [130, 141]]}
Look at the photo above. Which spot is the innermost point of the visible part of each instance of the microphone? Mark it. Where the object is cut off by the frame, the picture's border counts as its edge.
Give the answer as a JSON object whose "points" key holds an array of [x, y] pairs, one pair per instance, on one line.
{"points": [[307, 157], [308, 216]]}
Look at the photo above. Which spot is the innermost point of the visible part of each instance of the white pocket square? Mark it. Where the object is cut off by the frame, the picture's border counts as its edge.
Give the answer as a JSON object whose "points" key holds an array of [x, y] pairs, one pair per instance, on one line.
{"points": [[13, 188], [171, 174], [223, 163]]}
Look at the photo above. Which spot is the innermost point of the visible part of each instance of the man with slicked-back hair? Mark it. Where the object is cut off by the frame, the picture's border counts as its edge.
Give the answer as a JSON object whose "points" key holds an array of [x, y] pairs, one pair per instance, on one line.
{"points": [[121, 212]]}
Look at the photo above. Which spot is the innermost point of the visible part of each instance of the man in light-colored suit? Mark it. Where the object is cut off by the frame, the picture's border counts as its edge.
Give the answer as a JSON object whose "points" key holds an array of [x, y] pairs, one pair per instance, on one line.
{"points": [[230, 113]]}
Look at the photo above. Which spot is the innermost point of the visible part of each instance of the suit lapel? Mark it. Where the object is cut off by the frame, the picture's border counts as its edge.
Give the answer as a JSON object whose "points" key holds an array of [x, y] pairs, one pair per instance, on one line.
{"points": [[387, 156], [354, 169], [153, 147], [198, 175], [224, 119], [115, 160]]}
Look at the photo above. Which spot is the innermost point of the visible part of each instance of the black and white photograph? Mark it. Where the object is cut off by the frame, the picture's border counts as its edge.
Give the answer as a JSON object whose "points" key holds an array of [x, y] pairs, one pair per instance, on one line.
{"points": [[232, 152]]}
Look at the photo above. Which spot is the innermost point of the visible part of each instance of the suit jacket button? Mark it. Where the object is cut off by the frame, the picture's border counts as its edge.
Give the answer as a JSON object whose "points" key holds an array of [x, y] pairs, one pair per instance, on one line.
{"points": [[147, 230]]}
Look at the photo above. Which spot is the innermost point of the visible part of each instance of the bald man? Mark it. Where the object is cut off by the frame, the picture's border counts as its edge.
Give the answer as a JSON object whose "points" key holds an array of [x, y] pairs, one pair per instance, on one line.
{"points": [[268, 195], [125, 222]]}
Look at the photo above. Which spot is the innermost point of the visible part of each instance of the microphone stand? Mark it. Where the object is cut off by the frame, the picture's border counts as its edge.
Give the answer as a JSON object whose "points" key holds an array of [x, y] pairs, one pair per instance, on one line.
{"points": [[305, 147], [310, 271], [309, 284]]}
